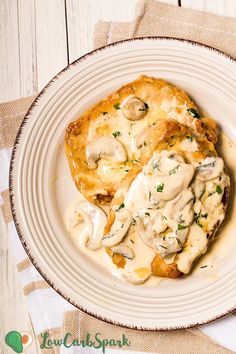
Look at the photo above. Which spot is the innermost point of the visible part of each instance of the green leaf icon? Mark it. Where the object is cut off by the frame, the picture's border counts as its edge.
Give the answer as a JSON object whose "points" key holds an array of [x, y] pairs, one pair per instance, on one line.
{"points": [[14, 340]]}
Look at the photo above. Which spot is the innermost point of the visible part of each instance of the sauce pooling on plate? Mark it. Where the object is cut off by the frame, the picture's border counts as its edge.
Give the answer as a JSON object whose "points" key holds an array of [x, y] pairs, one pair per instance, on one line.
{"points": [[159, 209]]}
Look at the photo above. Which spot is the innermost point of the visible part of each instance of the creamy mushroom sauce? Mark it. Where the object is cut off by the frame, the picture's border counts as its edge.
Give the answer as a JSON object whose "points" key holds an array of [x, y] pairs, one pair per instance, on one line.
{"points": [[169, 207], [137, 270]]}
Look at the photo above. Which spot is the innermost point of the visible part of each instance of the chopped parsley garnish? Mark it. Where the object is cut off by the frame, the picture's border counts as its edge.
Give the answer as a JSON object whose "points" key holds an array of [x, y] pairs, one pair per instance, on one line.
{"points": [[193, 113], [160, 187], [207, 165], [198, 216], [117, 133], [174, 170], [181, 227], [156, 165], [148, 214], [116, 105], [218, 189], [131, 241], [181, 220], [204, 266], [120, 207], [104, 113], [189, 137]]}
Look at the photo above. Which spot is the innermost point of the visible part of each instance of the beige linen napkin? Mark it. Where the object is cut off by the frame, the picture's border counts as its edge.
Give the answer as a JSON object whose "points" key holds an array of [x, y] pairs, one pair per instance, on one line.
{"points": [[154, 18], [47, 309]]}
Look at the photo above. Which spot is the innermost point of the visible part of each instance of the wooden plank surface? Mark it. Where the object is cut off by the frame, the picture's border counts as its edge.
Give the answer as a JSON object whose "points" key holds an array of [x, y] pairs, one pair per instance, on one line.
{"points": [[9, 51], [51, 39], [13, 308], [80, 33], [37, 39], [217, 7]]}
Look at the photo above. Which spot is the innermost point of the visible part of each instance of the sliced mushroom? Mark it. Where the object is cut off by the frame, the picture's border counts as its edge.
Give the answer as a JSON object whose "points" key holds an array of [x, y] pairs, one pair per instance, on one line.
{"points": [[133, 108], [210, 168], [123, 250], [166, 245], [117, 233], [106, 148], [199, 188], [94, 223], [147, 232], [181, 205], [144, 234]]}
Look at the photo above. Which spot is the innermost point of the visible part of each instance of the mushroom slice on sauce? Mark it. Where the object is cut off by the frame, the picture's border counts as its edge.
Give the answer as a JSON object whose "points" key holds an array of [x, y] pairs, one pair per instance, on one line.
{"points": [[167, 245], [117, 233], [123, 250], [105, 148], [94, 220], [209, 168], [133, 108]]}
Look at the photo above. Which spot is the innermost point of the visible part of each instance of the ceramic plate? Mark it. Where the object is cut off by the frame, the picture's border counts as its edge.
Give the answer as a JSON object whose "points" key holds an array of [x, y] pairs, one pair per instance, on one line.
{"points": [[41, 185]]}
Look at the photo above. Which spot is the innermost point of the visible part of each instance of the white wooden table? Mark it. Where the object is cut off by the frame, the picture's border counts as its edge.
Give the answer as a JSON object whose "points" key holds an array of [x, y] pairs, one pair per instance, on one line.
{"points": [[37, 39]]}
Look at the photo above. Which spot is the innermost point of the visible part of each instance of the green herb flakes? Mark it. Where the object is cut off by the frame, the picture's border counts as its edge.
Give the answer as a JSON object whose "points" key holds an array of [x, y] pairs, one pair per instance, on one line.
{"points": [[121, 207], [115, 134], [160, 188], [116, 105], [181, 227], [193, 113], [218, 189], [174, 170]]}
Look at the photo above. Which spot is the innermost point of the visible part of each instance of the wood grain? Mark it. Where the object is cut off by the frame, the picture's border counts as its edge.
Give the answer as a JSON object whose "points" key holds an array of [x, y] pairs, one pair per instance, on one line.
{"points": [[80, 32], [51, 39], [217, 7], [27, 47], [13, 308], [9, 51]]}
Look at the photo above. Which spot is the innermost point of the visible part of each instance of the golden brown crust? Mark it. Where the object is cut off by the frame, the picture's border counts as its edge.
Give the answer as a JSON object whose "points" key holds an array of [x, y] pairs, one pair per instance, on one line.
{"points": [[161, 269], [148, 89], [161, 132]]}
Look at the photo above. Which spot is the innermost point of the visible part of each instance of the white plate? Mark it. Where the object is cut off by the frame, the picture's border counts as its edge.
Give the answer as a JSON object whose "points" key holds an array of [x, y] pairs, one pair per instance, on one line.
{"points": [[41, 185]]}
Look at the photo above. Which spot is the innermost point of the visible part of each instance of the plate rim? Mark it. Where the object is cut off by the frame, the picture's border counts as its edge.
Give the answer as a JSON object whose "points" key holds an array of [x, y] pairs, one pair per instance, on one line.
{"points": [[11, 185]]}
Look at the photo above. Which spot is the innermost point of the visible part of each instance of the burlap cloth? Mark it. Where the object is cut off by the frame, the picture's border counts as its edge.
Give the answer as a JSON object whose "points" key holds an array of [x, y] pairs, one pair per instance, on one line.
{"points": [[152, 19]]}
